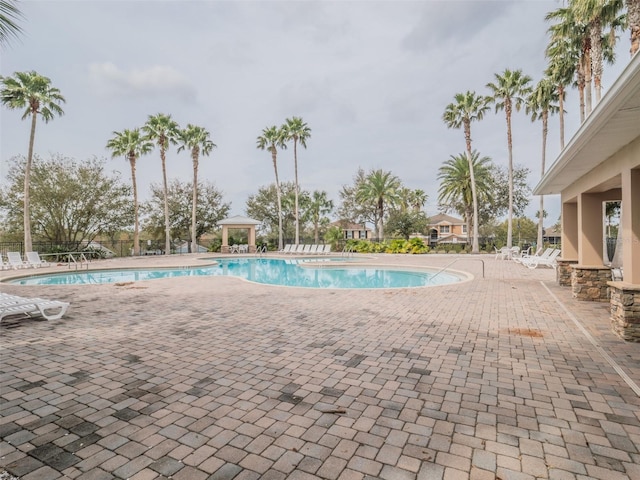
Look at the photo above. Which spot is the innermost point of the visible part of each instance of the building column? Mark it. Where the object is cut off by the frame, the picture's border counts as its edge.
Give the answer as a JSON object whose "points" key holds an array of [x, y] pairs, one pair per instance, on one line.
{"points": [[569, 234], [630, 223], [590, 228], [224, 248], [252, 239]]}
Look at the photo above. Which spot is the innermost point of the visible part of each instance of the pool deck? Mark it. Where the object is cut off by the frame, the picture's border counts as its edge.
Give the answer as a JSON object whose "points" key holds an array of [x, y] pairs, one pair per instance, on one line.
{"points": [[195, 378]]}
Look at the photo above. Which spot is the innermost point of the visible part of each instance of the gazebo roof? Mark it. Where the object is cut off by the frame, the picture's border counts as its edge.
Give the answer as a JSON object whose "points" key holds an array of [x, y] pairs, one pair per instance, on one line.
{"points": [[239, 220]]}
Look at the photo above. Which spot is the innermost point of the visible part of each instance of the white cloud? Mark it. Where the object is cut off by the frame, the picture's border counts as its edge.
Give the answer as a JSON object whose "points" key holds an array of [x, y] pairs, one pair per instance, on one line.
{"points": [[149, 81]]}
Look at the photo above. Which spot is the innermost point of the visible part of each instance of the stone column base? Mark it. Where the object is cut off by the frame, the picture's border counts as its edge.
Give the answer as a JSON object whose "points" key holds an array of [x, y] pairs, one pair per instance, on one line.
{"points": [[625, 310], [589, 283], [563, 272]]}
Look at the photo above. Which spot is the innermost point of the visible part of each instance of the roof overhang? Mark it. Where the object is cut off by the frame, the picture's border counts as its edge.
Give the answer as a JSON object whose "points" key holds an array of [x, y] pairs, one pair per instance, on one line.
{"points": [[613, 123]]}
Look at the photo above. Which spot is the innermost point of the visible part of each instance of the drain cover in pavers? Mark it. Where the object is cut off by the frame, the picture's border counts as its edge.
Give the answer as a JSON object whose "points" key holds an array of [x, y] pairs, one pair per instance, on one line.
{"points": [[166, 466]]}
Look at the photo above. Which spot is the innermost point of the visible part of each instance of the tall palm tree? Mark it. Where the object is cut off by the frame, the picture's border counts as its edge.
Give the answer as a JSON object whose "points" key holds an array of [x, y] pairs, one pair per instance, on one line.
{"points": [[271, 139], [468, 107], [380, 188], [131, 144], [164, 131], [598, 15], [455, 191], [560, 70], [34, 93], [195, 139], [570, 41], [319, 206], [417, 199], [10, 15], [510, 90], [296, 130], [633, 20], [542, 102]]}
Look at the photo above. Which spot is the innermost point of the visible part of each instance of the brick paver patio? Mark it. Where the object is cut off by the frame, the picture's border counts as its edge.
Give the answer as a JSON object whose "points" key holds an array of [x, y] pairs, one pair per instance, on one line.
{"points": [[216, 378]]}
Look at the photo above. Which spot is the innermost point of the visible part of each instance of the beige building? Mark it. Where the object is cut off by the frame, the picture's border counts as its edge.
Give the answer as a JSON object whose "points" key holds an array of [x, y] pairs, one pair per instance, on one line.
{"points": [[445, 229], [601, 163]]}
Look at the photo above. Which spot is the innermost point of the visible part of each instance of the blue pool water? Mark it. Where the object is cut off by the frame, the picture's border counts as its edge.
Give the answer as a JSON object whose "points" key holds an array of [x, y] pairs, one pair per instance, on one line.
{"points": [[284, 272]]}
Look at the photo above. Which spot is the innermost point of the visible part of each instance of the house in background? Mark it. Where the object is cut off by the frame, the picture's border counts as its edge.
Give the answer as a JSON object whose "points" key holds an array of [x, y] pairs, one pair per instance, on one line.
{"points": [[601, 164], [551, 236], [445, 229], [353, 231]]}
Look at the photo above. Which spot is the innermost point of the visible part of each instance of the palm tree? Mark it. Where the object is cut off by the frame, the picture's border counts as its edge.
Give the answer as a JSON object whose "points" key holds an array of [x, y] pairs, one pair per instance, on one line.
{"points": [[34, 93], [455, 191], [196, 140], [271, 139], [9, 17], [510, 91], [379, 187], [541, 103], [319, 205], [560, 70], [570, 40], [633, 19], [297, 130], [131, 144], [467, 108], [164, 131], [597, 15], [417, 199]]}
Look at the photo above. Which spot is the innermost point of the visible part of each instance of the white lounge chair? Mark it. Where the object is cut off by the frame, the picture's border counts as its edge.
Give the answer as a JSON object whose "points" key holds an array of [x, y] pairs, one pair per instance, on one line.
{"points": [[526, 258], [313, 250], [326, 250], [298, 249], [33, 307], [15, 260], [549, 261], [286, 249], [306, 249], [34, 260]]}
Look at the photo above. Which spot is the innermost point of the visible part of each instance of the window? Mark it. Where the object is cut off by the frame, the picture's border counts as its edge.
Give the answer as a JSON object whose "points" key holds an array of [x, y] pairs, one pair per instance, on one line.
{"points": [[464, 229], [444, 229]]}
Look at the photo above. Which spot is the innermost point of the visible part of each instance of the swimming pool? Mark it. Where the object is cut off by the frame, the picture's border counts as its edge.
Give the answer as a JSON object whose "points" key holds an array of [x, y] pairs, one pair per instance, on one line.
{"points": [[309, 273]]}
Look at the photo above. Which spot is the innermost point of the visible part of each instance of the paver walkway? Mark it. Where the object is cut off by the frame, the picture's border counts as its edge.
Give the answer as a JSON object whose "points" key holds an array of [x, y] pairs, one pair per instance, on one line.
{"points": [[215, 378]]}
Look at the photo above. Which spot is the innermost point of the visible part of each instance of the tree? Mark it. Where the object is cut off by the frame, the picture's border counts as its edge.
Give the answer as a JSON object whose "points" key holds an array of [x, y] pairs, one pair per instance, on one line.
{"points": [[263, 206], [633, 19], [132, 145], [210, 209], [73, 201], [34, 93], [560, 69], [500, 193], [454, 193], [540, 104], [350, 208], [570, 42], [510, 91], [271, 139], [319, 206], [10, 15], [407, 223], [468, 107], [597, 15], [196, 140], [164, 131], [379, 188], [296, 130]]}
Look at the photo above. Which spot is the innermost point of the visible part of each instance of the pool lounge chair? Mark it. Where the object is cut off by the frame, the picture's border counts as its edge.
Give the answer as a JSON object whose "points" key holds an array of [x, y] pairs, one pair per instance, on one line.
{"points": [[549, 261], [15, 260], [326, 250], [526, 258], [286, 249], [298, 249], [34, 260], [32, 307]]}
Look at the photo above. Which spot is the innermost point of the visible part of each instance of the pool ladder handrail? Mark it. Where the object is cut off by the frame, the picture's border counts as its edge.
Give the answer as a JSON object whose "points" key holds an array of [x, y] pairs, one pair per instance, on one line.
{"points": [[261, 251], [454, 261], [348, 251], [72, 259]]}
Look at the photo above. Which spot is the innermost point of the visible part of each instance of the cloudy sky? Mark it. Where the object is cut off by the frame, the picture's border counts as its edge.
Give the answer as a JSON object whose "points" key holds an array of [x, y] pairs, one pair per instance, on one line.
{"points": [[370, 78]]}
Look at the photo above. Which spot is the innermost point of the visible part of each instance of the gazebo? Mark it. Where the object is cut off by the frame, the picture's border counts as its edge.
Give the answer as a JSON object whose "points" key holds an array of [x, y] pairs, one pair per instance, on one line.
{"points": [[240, 223]]}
